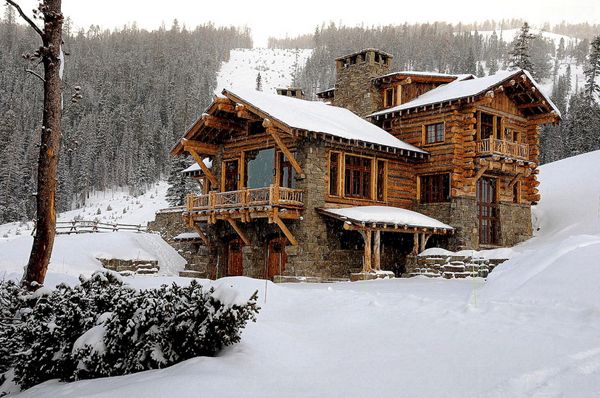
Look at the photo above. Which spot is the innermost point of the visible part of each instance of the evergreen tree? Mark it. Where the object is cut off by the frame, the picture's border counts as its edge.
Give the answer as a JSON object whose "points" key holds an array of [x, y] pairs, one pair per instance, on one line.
{"points": [[520, 57], [258, 82], [179, 184], [592, 71]]}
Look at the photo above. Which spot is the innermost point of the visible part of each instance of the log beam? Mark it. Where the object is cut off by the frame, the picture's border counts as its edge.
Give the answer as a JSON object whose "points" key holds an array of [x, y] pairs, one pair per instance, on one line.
{"points": [[288, 234], [201, 147], [201, 234], [515, 179], [211, 177], [480, 172], [238, 230], [290, 157]]}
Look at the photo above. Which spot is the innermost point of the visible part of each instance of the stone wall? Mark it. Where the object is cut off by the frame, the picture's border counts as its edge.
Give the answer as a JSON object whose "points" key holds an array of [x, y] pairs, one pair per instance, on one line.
{"points": [[450, 266]]}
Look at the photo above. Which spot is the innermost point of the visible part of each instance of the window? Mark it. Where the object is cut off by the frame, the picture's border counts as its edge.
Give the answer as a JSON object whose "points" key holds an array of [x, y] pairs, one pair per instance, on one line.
{"points": [[231, 175], [389, 97], [357, 177], [516, 192], [487, 126], [435, 188], [434, 133], [380, 180], [287, 173], [259, 168], [334, 170]]}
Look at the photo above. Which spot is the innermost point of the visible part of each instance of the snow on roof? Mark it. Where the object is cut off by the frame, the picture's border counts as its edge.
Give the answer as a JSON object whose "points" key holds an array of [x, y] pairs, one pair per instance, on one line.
{"points": [[425, 73], [319, 117], [196, 166], [462, 89], [187, 236], [387, 215]]}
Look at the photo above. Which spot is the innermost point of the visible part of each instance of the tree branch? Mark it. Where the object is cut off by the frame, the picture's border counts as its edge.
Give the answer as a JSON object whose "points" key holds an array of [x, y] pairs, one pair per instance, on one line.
{"points": [[26, 18], [35, 74]]}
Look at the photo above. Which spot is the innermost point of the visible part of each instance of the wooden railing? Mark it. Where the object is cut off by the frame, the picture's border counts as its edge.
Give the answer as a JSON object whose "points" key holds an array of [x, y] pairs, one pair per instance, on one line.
{"points": [[491, 146], [245, 198]]}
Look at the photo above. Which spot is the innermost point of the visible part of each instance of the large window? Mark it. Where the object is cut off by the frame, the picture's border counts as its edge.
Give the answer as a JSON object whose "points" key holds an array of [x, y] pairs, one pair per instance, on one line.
{"points": [[435, 188], [434, 133], [287, 173], [380, 180], [357, 177], [334, 171], [259, 168]]}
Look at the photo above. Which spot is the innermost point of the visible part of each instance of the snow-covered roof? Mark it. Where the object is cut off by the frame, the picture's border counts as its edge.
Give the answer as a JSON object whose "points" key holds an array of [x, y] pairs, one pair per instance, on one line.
{"points": [[386, 215], [196, 167], [318, 117], [187, 236], [425, 74], [463, 89]]}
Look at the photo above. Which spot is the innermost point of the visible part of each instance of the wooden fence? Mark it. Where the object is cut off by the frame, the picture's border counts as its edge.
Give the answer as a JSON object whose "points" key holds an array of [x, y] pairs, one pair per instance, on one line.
{"points": [[86, 226]]}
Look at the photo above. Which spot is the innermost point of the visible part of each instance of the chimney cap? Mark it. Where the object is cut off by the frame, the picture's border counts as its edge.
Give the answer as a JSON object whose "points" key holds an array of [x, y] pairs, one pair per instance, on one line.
{"points": [[365, 50]]}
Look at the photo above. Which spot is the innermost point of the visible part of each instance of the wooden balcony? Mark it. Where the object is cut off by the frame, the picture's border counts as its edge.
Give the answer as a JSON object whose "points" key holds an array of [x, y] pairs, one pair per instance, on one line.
{"points": [[246, 203], [493, 146]]}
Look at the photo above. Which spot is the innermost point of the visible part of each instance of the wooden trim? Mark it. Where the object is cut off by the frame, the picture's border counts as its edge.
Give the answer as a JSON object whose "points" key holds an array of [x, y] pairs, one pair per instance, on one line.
{"points": [[200, 147], [286, 151], [238, 230], [284, 229], [205, 169]]}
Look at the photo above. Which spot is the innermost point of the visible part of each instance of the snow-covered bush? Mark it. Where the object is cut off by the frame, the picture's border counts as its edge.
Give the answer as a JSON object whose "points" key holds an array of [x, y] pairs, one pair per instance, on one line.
{"points": [[103, 327]]}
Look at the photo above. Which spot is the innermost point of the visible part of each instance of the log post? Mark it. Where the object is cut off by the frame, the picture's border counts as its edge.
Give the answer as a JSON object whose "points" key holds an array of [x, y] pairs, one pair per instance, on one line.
{"points": [[368, 255], [415, 249], [377, 251]]}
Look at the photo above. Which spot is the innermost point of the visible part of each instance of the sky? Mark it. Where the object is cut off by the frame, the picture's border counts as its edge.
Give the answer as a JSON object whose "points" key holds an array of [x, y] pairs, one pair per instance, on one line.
{"points": [[280, 18]]}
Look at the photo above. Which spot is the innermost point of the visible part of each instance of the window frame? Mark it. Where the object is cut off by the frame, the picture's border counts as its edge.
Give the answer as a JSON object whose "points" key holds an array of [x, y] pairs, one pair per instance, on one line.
{"points": [[375, 194], [424, 187], [435, 133], [365, 184]]}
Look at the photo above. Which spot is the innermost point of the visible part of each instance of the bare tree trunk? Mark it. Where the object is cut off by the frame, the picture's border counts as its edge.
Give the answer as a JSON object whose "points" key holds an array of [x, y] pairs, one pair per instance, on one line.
{"points": [[50, 141]]}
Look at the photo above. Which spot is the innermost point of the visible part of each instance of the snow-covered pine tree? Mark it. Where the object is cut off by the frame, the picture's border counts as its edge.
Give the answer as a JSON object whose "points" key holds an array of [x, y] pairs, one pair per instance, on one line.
{"points": [[592, 70], [179, 185], [258, 82], [520, 55]]}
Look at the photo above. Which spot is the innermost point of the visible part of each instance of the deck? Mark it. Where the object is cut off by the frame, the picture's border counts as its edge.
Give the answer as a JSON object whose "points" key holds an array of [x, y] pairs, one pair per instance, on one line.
{"points": [[493, 146], [246, 204]]}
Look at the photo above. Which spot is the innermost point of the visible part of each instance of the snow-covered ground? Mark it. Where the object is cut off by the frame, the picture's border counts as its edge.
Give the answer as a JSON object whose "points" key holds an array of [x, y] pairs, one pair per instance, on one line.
{"points": [[277, 68], [531, 330], [78, 254]]}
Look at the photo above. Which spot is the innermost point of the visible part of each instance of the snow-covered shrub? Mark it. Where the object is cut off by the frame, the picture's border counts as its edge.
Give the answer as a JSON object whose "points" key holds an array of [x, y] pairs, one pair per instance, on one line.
{"points": [[108, 208], [103, 327]]}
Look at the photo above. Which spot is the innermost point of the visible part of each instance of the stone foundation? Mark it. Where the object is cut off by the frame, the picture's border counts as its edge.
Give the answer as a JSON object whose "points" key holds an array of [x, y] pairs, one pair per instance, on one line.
{"points": [[450, 266], [130, 267]]}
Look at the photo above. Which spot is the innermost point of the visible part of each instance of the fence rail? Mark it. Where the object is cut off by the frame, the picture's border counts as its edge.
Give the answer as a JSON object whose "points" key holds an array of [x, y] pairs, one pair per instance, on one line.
{"points": [[91, 226]]}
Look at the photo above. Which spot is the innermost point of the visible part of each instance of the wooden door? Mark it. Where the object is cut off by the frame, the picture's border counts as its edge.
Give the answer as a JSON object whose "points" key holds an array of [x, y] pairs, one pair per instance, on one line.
{"points": [[487, 206], [235, 262], [276, 257]]}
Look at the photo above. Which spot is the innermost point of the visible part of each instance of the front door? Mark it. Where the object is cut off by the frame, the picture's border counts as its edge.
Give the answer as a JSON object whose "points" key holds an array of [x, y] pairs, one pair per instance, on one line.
{"points": [[232, 176], [277, 257], [235, 264], [487, 206]]}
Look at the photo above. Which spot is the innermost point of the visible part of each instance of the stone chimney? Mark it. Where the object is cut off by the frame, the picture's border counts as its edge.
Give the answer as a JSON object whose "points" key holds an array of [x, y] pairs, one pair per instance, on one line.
{"points": [[295, 92], [354, 88]]}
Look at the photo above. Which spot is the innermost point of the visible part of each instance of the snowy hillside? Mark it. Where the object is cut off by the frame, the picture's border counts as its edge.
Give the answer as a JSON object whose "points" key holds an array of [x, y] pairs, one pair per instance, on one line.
{"points": [[277, 68], [531, 330], [77, 254]]}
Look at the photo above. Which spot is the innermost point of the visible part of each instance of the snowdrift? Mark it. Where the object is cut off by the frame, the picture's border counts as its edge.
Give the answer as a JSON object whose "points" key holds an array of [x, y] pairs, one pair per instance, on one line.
{"points": [[561, 264]]}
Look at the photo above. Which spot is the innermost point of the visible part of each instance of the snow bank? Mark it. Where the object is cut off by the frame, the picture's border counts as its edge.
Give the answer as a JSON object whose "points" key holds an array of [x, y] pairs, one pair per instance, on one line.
{"points": [[560, 264]]}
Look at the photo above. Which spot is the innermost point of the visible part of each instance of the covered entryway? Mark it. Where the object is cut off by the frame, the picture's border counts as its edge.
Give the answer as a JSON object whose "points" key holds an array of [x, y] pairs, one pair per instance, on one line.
{"points": [[487, 208], [372, 221], [235, 258], [276, 256]]}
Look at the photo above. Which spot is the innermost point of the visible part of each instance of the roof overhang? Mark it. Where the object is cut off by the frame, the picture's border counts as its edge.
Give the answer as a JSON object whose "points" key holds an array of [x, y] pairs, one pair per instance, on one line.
{"points": [[386, 219]]}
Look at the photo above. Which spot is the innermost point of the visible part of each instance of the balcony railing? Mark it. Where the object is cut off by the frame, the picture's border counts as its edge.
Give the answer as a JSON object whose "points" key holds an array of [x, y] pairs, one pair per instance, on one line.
{"points": [[247, 198], [493, 146]]}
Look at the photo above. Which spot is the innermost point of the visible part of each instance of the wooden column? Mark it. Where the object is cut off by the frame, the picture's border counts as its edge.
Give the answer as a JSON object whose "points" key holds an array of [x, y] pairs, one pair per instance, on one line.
{"points": [[368, 254], [415, 249], [377, 251]]}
